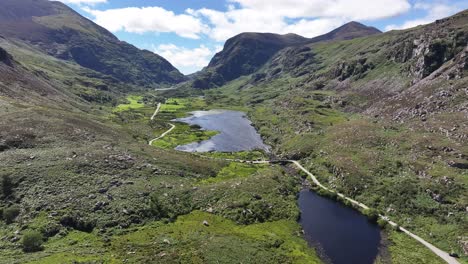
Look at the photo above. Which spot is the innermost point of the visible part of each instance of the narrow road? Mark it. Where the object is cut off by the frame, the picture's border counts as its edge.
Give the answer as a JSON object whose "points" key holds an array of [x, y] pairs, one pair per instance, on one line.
{"points": [[163, 134], [442, 254], [165, 89], [156, 111]]}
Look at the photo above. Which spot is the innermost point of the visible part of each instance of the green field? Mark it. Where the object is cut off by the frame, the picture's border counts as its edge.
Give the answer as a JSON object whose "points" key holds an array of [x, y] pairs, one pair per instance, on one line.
{"points": [[133, 102]]}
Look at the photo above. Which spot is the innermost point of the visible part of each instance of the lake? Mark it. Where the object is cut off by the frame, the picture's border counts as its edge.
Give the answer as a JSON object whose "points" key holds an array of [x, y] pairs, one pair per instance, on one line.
{"points": [[340, 235], [236, 132]]}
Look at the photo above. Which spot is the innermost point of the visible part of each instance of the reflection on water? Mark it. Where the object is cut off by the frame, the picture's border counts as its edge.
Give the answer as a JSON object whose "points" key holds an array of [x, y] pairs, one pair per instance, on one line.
{"points": [[340, 234], [236, 132]]}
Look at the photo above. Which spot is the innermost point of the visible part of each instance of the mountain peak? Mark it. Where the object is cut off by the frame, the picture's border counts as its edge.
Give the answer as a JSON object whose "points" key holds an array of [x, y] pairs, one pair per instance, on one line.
{"points": [[349, 30], [356, 26]]}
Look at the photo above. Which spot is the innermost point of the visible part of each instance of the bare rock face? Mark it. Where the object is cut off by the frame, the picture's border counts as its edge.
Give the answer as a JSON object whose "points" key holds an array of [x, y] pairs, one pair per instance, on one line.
{"points": [[432, 51], [356, 68]]}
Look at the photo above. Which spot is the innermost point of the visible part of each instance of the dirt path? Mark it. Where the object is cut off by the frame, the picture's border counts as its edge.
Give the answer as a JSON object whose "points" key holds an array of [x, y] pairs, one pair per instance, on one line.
{"points": [[156, 111], [163, 134], [165, 89]]}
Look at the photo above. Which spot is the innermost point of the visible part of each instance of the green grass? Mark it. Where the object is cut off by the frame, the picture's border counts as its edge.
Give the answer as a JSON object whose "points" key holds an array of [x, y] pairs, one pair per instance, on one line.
{"points": [[233, 171], [189, 241], [133, 103], [177, 105], [75, 247], [404, 249], [183, 134], [240, 155]]}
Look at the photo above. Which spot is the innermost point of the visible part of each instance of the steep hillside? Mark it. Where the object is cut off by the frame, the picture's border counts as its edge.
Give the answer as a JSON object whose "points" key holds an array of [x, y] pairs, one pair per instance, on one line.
{"points": [[247, 52], [61, 32], [376, 67]]}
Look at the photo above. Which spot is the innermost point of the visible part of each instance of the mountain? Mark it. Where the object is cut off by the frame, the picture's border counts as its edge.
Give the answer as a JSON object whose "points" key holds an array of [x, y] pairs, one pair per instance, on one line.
{"points": [[377, 66], [59, 31], [349, 30], [247, 52]]}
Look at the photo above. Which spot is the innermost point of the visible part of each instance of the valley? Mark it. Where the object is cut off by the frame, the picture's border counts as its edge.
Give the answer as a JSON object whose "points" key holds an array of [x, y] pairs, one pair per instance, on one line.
{"points": [[349, 147]]}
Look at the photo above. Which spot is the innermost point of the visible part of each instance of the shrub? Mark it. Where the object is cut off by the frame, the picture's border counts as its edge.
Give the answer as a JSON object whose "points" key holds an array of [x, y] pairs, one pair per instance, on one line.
{"points": [[372, 215], [6, 186], [32, 241], [348, 203], [156, 208], [382, 223], [11, 213], [77, 222]]}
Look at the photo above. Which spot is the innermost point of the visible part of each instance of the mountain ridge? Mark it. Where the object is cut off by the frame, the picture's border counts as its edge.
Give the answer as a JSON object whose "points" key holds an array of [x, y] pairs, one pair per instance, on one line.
{"points": [[246, 52]]}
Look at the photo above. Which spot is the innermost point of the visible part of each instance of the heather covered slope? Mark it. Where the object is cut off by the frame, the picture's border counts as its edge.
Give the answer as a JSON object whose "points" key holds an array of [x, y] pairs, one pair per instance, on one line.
{"points": [[61, 32], [382, 118], [78, 177]]}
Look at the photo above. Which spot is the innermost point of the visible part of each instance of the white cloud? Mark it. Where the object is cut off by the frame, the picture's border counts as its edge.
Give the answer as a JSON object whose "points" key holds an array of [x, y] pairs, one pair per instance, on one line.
{"points": [[312, 28], [79, 2], [351, 9], [434, 11], [306, 17], [148, 19], [311, 17], [187, 60]]}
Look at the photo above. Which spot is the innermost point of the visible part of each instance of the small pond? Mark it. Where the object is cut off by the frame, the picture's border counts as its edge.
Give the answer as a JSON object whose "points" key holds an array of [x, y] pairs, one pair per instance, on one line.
{"points": [[340, 234]]}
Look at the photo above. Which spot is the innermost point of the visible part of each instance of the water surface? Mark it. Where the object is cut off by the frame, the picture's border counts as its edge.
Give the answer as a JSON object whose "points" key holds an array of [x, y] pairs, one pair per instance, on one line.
{"points": [[236, 132], [340, 234]]}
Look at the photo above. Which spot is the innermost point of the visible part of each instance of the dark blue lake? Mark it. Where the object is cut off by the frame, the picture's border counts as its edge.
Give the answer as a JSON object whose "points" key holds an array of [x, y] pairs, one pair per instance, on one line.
{"points": [[236, 132], [340, 234]]}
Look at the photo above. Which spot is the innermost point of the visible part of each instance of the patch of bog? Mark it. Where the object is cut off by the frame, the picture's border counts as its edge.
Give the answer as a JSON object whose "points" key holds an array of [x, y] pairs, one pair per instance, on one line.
{"points": [[340, 234], [236, 132]]}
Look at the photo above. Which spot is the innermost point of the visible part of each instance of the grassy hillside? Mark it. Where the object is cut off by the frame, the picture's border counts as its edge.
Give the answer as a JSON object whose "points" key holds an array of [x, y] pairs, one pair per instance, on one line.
{"points": [[57, 30]]}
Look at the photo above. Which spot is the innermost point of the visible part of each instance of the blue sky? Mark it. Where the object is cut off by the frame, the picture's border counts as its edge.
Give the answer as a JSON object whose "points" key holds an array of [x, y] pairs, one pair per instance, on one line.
{"points": [[189, 32]]}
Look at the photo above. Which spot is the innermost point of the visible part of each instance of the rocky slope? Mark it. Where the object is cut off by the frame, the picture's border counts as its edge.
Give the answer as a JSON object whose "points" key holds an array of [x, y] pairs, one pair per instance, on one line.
{"points": [[61, 32], [247, 52], [380, 66]]}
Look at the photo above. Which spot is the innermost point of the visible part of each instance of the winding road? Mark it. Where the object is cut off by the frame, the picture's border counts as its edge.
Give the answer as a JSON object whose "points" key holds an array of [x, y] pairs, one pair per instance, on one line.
{"points": [[156, 111], [163, 134], [442, 254]]}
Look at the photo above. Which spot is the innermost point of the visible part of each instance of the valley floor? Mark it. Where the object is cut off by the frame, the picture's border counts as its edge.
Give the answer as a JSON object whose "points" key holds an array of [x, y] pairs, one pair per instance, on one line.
{"points": [[117, 199]]}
